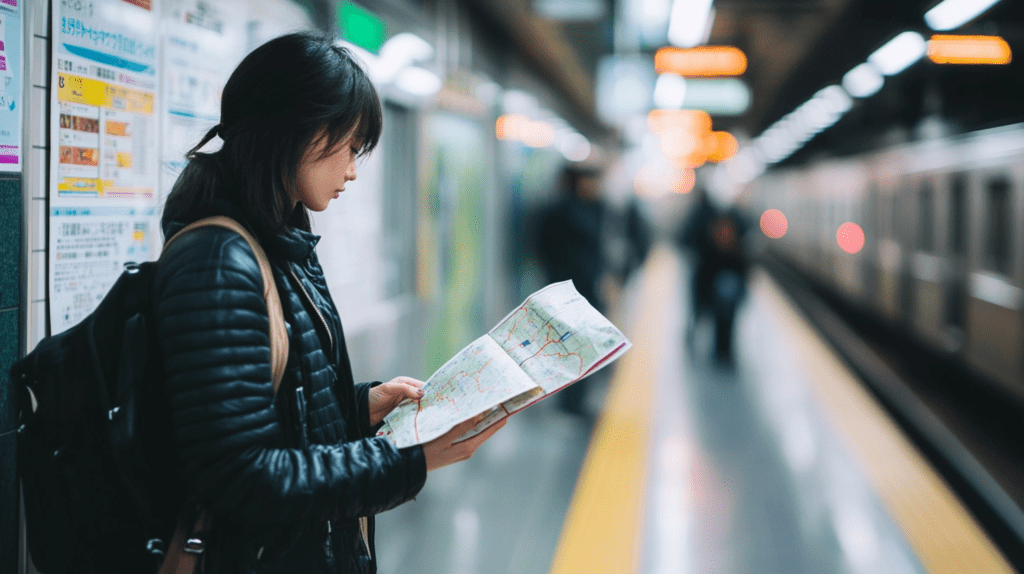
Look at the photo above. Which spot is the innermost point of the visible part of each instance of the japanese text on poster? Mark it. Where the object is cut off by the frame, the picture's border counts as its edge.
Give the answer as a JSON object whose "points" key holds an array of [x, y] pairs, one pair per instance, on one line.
{"points": [[103, 177]]}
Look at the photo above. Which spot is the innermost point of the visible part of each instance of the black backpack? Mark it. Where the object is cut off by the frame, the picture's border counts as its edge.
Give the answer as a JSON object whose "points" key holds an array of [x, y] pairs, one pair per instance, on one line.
{"points": [[94, 447]]}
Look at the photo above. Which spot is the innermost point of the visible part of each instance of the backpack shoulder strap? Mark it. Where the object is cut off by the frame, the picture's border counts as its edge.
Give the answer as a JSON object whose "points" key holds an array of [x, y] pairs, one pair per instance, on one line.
{"points": [[278, 330]]}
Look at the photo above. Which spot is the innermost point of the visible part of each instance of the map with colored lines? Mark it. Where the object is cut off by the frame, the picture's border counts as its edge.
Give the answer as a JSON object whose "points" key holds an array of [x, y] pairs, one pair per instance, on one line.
{"points": [[552, 340]]}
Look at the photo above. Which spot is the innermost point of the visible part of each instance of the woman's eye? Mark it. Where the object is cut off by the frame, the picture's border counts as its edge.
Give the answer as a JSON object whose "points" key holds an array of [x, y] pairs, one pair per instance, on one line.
{"points": [[354, 150]]}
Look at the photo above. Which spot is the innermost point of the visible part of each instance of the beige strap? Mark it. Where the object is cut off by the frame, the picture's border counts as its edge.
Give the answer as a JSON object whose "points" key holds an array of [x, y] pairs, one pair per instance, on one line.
{"points": [[278, 330], [187, 547]]}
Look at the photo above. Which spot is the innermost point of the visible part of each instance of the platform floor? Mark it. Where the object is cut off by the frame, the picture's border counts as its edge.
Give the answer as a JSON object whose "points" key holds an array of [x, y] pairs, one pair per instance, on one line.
{"points": [[689, 465]]}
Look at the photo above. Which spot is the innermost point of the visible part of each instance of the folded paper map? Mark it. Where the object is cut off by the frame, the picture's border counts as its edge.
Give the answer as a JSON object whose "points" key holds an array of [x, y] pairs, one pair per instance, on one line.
{"points": [[552, 340]]}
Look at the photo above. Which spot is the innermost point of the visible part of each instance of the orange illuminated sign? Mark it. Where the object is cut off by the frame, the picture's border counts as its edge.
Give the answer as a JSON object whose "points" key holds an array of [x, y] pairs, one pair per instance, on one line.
{"points": [[687, 139], [701, 62], [946, 49], [688, 120], [723, 147]]}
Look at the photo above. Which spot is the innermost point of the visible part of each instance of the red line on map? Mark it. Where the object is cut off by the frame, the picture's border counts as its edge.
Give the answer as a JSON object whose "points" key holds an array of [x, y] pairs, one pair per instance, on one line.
{"points": [[475, 375]]}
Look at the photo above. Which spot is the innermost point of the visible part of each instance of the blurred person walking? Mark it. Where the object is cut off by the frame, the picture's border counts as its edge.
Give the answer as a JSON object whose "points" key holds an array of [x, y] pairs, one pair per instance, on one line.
{"points": [[718, 283], [570, 246]]}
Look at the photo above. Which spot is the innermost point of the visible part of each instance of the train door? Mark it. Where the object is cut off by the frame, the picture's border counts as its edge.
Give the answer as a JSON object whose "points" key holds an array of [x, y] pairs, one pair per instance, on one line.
{"points": [[872, 222], [956, 287], [906, 206]]}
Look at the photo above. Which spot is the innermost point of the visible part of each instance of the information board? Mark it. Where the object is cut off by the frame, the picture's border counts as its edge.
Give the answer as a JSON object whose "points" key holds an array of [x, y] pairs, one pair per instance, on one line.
{"points": [[104, 209]]}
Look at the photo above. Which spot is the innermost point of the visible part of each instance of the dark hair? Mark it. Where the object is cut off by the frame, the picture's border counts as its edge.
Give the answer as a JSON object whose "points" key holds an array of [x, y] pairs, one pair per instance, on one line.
{"points": [[280, 100]]}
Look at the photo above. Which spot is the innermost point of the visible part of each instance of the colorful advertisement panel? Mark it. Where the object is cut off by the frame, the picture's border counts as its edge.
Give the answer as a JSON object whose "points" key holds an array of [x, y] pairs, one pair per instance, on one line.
{"points": [[12, 73], [104, 209]]}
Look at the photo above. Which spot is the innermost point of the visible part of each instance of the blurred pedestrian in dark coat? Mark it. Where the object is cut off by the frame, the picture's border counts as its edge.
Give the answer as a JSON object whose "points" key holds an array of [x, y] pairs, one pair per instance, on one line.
{"points": [[570, 247], [720, 268]]}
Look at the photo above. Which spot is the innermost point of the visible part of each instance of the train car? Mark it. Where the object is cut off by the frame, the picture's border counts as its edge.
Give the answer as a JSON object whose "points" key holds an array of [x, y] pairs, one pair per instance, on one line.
{"points": [[943, 257]]}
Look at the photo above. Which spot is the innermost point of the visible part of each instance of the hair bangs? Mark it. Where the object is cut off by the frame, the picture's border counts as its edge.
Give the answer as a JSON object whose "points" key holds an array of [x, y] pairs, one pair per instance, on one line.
{"points": [[357, 108]]}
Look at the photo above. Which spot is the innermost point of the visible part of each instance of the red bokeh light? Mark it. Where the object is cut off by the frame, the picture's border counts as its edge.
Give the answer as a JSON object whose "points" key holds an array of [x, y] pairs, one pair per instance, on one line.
{"points": [[850, 237], [774, 224]]}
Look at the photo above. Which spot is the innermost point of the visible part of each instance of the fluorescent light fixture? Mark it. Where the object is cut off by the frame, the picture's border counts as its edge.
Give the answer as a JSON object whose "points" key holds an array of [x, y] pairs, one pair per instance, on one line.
{"points": [[717, 96], [955, 13], [899, 53], [669, 92], [624, 87], [401, 51], [575, 147], [418, 82], [836, 98], [570, 10], [863, 81], [688, 23]]}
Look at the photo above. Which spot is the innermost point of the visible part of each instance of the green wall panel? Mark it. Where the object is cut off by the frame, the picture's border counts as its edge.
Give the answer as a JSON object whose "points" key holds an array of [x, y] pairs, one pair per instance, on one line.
{"points": [[10, 243], [8, 420]]}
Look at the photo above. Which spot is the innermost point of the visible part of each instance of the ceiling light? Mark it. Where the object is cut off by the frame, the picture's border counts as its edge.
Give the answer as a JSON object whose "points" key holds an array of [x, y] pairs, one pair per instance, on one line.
{"points": [[575, 147], [863, 81], [418, 82], [570, 10], [719, 96], [400, 51], [899, 53], [689, 22], [669, 92], [955, 13], [838, 100]]}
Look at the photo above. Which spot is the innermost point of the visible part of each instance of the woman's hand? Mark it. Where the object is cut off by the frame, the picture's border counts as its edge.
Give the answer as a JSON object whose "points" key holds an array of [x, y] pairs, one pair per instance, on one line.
{"points": [[384, 398], [441, 452]]}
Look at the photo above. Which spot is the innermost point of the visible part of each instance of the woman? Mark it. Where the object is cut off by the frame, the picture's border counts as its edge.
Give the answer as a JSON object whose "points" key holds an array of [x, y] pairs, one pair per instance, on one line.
{"points": [[292, 480]]}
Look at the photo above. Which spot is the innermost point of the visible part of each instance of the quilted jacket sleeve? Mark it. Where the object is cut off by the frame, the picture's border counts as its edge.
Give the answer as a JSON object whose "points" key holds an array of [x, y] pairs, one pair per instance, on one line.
{"points": [[211, 324], [364, 428]]}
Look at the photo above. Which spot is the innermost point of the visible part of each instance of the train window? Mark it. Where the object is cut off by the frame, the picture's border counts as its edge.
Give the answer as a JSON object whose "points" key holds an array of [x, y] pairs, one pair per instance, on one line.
{"points": [[997, 247], [958, 214], [926, 225], [399, 143]]}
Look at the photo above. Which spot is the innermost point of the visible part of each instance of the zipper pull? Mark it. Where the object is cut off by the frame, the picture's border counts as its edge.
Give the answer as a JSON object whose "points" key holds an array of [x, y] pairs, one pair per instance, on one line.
{"points": [[328, 550], [300, 405]]}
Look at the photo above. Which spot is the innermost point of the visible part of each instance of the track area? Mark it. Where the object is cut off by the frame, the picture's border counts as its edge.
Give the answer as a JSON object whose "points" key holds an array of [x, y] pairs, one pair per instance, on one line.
{"points": [[966, 427]]}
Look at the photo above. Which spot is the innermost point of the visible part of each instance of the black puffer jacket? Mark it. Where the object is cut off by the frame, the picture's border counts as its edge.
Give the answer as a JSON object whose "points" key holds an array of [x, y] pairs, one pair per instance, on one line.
{"points": [[293, 481]]}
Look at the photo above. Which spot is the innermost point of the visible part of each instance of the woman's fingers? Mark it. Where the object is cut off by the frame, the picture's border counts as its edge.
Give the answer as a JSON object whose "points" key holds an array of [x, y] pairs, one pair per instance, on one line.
{"points": [[479, 439], [408, 381], [411, 391]]}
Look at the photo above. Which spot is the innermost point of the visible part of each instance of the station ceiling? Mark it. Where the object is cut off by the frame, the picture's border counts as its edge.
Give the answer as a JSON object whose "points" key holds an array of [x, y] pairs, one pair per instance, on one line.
{"points": [[795, 48]]}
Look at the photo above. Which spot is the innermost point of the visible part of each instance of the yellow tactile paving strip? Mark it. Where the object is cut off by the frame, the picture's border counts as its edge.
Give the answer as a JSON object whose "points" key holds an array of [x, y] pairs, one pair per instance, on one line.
{"points": [[944, 535], [604, 526]]}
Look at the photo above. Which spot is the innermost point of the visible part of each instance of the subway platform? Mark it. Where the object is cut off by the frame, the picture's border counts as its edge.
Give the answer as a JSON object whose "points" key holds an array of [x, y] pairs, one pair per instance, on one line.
{"points": [[779, 463]]}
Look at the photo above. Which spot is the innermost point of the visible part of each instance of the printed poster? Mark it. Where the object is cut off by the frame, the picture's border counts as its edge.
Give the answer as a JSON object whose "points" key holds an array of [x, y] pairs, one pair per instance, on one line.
{"points": [[12, 73], [104, 208], [202, 44]]}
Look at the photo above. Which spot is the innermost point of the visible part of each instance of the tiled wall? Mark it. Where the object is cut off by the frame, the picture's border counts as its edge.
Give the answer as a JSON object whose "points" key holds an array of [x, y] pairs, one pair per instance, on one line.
{"points": [[23, 266]]}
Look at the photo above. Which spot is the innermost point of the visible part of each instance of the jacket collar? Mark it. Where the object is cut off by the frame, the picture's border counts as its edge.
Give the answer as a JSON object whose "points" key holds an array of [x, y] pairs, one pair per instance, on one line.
{"points": [[291, 244]]}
